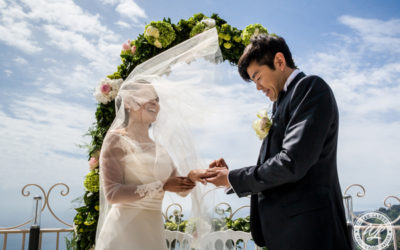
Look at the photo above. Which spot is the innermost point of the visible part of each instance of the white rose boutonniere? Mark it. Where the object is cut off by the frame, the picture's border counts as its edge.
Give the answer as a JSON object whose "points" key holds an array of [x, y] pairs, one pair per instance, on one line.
{"points": [[262, 125]]}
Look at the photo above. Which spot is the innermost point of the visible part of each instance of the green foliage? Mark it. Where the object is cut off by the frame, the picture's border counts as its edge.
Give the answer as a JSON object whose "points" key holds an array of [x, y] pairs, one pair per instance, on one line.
{"points": [[157, 37], [197, 29], [393, 212], [160, 34], [91, 182], [252, 29], [85, 222]]}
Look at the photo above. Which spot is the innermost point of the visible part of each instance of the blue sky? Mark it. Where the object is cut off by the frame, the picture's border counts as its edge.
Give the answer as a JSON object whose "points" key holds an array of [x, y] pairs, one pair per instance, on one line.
{"points": [[54, 53]]}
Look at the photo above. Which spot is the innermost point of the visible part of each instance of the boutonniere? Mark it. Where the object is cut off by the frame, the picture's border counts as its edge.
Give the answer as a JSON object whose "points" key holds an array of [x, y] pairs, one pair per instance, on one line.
{"points": [[262, 125]]}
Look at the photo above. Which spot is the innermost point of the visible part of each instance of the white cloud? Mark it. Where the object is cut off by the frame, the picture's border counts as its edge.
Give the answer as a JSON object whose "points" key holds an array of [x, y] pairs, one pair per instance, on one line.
{"points": [[367, 93], [128, 9], [131, 10], [15, 30], [20, 60], [8, 72], [39, 140], [123, 24], [66, 15], [52, 88], [376, 34]]}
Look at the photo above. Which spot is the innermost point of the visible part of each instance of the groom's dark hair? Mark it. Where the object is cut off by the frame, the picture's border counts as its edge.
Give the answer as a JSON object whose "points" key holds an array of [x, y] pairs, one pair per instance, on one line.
{"points": [[262, 49]]}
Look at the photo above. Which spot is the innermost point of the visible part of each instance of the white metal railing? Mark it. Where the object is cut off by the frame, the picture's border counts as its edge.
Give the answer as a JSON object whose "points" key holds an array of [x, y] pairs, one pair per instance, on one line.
{"points": [[17, 229], [183, 239], [368, 228]]}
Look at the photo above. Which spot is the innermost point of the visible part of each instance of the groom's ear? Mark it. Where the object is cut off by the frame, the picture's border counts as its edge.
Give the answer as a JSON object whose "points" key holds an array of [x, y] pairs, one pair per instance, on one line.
{"points": [[279, 61]]}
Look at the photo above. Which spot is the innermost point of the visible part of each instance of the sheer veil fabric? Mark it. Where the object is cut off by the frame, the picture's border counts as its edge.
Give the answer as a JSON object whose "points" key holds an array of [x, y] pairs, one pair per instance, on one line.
{"points": [[133, 171]]}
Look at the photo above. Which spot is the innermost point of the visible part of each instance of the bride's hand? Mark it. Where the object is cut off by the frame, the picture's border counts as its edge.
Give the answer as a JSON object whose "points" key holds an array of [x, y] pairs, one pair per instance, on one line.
{"points": [[178, 184], [199, 175]]}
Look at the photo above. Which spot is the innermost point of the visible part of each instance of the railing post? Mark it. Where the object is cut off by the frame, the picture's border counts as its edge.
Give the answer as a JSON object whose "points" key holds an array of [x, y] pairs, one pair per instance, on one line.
{"points": [[34, 232], [348, 205]]}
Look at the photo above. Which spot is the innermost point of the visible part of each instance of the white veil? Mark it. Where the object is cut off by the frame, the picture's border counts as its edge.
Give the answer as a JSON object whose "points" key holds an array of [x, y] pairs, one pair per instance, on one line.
{"points": [[182, 95]]}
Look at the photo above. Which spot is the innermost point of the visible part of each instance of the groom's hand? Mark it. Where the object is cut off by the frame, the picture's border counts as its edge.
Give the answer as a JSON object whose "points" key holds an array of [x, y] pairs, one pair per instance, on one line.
{"points": [[221, 176], [220, 163], [199, 175]]}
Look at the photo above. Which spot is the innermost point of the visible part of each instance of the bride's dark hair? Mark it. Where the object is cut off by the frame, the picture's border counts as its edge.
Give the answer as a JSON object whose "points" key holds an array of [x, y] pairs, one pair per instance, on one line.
{"points": [[118, 103]]}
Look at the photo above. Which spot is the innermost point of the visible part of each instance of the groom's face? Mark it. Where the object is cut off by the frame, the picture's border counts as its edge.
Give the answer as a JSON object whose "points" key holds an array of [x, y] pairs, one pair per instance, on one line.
{"points": [[267, 80]]}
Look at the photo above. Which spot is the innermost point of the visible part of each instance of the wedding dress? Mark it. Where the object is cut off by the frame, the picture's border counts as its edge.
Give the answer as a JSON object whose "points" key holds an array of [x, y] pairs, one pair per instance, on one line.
{"points": [[135, 219], [132, 174]]}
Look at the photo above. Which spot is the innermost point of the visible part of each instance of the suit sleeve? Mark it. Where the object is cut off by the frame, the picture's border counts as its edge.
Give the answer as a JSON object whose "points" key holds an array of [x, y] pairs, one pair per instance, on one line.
{"points": [[312, 111]]}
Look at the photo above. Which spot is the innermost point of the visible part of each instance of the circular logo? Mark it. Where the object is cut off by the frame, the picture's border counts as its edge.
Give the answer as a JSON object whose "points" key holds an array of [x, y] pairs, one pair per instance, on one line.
{"points": [[373, 231]]}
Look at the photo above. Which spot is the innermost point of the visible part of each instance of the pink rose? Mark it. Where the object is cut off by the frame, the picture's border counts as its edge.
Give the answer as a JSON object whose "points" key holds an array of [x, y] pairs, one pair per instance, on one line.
{"points": [[93, 163], [133, 49], [105, 88], [126, 47]]}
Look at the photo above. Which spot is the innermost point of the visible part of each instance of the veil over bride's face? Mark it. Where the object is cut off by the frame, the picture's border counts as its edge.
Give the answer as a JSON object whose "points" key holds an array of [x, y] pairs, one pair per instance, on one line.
{"points": [[141, 103], [147, 113]]}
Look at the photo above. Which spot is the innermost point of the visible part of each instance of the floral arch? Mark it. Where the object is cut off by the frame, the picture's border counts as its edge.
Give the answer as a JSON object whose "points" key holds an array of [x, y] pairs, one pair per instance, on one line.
{"points": [[157, 37]]}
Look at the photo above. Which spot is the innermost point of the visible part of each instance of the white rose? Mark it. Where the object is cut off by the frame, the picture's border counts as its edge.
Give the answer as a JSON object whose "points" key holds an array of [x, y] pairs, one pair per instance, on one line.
{"points": [[152, 31], [256, 32], [157, 44], [209, 22]]}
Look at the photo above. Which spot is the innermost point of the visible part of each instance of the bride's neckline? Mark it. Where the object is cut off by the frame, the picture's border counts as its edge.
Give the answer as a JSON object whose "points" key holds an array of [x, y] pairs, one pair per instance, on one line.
{"points": [[125, 134]]}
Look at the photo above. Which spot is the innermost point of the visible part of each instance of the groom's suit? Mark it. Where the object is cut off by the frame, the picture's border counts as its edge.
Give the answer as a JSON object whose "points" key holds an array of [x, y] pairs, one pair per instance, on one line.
{"points": [[296, 200]]}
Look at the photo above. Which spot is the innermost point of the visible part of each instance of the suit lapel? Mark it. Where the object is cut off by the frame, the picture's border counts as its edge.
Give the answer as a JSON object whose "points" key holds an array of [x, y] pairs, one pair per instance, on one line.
{"points": [[263, 156]]}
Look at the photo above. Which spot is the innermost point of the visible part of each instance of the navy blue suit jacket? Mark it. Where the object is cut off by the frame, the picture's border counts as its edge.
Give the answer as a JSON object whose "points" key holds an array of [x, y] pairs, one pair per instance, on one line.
{"points": [[296, 200]]}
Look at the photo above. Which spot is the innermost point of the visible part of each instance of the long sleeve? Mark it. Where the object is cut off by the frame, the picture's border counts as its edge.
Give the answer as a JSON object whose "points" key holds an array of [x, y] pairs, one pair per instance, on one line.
{"points": [[112, 173], [311, 114]]}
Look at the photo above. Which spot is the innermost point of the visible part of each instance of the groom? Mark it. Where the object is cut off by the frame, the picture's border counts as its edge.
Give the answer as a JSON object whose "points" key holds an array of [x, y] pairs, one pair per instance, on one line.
{"points": [[296, 201]]}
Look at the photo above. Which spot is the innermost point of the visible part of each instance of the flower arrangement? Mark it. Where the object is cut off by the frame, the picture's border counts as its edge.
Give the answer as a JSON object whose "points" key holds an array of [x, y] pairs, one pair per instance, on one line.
{"points": [[107, 90], [252, 30], [93, 163], [91, 182], [262, 125], [160, 34], [203, 25]]}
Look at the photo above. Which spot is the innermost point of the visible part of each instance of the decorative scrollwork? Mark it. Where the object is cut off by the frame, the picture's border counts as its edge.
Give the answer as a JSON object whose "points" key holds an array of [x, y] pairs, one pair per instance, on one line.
{"points": [[27, 193], [359, 194], [240, 208], [63, 194], [389, 205], [220, 211], [173, 205], [45, 204]]}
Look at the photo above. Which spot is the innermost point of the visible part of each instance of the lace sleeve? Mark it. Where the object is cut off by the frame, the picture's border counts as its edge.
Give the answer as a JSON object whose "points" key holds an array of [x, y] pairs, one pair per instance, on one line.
{"points": [[113, 152], [152, 189]]}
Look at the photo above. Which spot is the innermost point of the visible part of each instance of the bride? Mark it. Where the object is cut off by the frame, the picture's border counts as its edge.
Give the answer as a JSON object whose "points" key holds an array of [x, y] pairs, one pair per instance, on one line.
{"points": [[136, 167]]}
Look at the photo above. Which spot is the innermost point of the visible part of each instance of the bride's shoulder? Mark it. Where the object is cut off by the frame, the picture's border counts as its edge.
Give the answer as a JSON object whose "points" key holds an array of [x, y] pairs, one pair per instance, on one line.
{"points": [[119, 137], [114, 135], [115, 139]]}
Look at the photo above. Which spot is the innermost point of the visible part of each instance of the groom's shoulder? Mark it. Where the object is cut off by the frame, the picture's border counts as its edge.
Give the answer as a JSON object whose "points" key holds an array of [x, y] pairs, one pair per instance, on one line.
{"points": [[313, 83]]}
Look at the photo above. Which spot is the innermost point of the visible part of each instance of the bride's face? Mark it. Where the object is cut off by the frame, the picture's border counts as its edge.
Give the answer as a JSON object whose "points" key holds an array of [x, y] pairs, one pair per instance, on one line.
{"points": [[146, 113], [149, 111]]}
